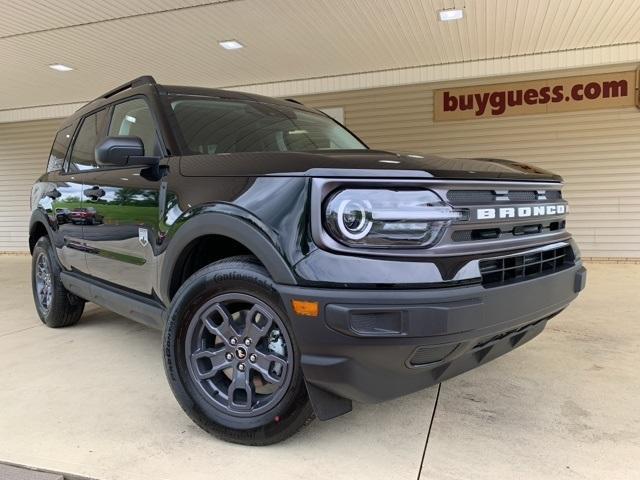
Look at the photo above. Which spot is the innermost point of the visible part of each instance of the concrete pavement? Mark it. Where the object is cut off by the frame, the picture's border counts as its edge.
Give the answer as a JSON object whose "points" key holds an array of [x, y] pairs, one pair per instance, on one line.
{"points": [[92, 400]]}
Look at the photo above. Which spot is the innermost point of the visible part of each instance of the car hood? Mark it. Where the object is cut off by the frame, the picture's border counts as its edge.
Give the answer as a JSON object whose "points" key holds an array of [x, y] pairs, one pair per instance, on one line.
{"points": [[359, 164]]}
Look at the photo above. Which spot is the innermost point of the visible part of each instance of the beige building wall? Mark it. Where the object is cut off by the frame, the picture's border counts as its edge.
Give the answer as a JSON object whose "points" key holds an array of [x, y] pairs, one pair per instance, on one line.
{"points": [[596, 151], [24, 150]]}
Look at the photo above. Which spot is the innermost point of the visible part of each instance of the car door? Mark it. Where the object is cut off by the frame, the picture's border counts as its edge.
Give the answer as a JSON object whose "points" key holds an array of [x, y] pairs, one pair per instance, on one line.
{"points": [[56, 194], [121, 233], [80, 161]]}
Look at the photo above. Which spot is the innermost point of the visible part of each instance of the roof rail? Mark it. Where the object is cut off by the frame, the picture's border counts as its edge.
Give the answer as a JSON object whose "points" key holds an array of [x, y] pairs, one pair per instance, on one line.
{"points": [[136, 82]]}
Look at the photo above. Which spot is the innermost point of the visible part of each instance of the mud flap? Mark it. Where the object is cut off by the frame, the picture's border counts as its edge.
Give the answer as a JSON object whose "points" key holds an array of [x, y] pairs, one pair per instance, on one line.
{"points": [[327, 405]]}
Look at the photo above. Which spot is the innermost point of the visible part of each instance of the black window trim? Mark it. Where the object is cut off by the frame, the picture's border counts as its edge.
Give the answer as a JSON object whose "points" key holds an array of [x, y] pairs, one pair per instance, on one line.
{"points": [[64, 158], [154, 117], [109, 108], [67, 159]]}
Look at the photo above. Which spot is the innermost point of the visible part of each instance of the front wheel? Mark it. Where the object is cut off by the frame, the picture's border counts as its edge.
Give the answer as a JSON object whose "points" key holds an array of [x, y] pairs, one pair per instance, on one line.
{"points": [[231, 358]]}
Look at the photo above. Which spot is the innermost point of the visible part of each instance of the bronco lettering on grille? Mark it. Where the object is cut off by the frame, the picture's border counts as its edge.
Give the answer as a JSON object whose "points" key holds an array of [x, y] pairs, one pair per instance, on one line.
{"points": [[520, 212]]}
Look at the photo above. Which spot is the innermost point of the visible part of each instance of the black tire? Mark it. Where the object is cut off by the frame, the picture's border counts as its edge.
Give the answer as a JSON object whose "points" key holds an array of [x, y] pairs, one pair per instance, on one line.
{"points": [[235, 277], [62, 308]]}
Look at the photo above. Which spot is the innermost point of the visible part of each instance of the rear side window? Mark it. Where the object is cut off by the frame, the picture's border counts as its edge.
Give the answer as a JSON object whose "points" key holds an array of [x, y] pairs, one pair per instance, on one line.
{"points": [[83, 150], [59, 149]]}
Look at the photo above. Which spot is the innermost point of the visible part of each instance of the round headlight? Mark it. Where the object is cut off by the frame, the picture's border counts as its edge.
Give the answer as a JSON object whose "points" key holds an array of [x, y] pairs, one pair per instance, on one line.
{"points": [[386, 218], [354, 218]]}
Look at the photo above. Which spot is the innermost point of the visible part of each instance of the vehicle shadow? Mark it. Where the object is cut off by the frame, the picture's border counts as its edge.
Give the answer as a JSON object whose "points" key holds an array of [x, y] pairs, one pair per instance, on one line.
{"points": [[389, 437]]}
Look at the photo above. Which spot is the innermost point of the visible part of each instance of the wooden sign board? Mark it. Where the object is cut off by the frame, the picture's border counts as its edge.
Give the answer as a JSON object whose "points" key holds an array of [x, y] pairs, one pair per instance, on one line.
{"points": [[568, 94]]}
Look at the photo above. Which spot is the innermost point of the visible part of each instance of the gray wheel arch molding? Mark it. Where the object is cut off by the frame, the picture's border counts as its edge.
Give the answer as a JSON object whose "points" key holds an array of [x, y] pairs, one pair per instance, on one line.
{"points": [[227, 225]]}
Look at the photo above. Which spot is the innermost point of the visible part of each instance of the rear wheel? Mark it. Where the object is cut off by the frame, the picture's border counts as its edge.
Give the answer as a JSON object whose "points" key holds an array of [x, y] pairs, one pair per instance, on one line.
{"points": [[231, 358], [56, 306]]}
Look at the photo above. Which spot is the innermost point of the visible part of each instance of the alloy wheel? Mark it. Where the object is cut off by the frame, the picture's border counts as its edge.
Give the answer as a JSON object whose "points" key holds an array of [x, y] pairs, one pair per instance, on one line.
{"points": [[239, 354], [43, 282]]}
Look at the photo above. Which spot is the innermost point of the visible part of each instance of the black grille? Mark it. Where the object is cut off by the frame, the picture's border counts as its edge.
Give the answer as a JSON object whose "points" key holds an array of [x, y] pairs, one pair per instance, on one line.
{"points": [[430, 354], [554, 195], [517, 196], [477, 234], [462, 236], [480, 197], [499, 271], [470, 197]]}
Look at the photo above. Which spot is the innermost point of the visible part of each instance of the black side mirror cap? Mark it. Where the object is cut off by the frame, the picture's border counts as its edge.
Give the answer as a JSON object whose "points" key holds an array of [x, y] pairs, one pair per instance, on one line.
{"points": [[121, 152]]}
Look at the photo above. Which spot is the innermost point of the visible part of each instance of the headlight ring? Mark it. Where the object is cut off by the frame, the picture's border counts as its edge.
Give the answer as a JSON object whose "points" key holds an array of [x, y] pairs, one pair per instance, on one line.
{"points": [[355, 222]]}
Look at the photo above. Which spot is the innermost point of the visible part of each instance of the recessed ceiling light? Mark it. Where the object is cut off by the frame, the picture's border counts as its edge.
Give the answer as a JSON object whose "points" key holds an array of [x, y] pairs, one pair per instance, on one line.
{"points": [[60, 67], [230, 44], [450, 14]]}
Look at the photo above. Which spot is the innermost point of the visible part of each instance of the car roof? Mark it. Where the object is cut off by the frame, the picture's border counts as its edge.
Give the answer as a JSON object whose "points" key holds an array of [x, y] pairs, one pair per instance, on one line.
{"points": [[147, 85], [228, 94]]}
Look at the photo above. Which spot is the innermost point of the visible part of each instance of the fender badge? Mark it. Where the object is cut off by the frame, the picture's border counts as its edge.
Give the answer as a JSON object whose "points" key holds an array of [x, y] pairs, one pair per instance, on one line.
{"points": [[143, 236]]}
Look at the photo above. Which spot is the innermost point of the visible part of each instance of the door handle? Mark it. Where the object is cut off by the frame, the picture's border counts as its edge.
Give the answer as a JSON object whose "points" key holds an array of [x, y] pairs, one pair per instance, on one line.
{"points": [[94, 193]]}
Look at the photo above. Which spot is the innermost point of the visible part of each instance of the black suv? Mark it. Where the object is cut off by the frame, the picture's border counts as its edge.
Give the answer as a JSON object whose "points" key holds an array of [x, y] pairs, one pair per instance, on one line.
{"points": [[292, 269]]}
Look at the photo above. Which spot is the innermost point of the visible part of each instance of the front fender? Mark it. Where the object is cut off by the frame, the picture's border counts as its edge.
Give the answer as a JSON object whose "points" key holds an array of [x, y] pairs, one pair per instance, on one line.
{"points": [[228, 225]]}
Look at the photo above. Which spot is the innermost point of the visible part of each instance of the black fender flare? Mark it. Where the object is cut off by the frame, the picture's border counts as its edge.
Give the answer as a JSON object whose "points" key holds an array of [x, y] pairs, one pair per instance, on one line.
{"points": [[227, 225], [38, 216]]}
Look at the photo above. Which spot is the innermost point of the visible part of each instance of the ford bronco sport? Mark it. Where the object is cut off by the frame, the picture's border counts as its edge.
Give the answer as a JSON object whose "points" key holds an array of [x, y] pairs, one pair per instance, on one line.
{"points": [[292, 269]]}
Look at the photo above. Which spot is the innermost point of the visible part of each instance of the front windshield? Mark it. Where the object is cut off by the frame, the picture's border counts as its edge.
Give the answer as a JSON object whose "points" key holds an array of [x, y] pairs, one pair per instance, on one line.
{"points": [[214, 126]]}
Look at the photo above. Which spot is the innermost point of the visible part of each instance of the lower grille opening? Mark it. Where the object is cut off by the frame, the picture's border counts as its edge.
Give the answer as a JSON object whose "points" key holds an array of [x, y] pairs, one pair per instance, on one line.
{"points": [[506, 232], [430, 354], [499, 271], [527, 229]]}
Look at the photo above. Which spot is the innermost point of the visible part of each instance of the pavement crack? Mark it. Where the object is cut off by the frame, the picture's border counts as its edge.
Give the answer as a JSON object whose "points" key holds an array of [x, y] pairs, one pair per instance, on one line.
{"points": [[426, 440], [6, 334]]}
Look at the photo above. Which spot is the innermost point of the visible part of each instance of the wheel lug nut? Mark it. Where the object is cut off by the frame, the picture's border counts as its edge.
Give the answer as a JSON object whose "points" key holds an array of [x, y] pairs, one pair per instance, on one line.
{"points": [[252, 358], [233, 341], [228, 356], [247, 341], [241, 367]]}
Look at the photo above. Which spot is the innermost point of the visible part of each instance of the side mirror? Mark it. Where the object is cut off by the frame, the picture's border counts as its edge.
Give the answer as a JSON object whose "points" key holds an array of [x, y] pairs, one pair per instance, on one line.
{"points": [[122, 151]]}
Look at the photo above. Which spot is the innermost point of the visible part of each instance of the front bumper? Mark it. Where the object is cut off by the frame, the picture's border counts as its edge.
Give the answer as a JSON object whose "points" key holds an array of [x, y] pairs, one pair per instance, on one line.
{"points": [[374, 345]]}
